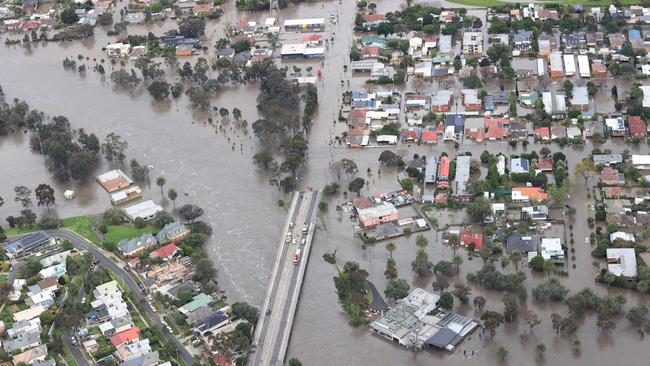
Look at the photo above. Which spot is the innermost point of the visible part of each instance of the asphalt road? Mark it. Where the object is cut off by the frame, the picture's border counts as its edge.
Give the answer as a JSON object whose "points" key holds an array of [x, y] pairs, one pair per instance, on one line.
{"points": [[273, 332], [81, 243]]}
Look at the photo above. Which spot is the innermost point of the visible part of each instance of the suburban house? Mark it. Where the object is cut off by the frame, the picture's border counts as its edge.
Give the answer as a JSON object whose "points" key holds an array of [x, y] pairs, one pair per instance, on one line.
{"points": [[535, 213], [199, 301], [580, 98], [372, 20], [461, 178], [472, 43], [443, 172], [174, 231], [621, 262], [31, 355], [208, 325], [516, 241], [470, 100], [519, 165], [608, 160], [641, 162], [454, 127], [551, 250], [497, 127], [557, 64], [612, 177], [529, 194], [636, 126], [165, 253], [615, 126], [114, 180], [522, 40], [127, 336], [135, 246], [441, 101], [470, 238]]}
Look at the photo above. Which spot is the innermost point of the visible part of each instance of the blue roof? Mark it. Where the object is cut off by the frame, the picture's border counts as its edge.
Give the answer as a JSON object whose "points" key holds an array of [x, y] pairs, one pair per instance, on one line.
{"points": [[489, 103], [456, 120], [633, 34], [28, 242]]}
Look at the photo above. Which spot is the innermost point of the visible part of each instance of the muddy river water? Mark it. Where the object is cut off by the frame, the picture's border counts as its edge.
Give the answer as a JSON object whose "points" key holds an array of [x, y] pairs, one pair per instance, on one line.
{"points": [[242, 207]]}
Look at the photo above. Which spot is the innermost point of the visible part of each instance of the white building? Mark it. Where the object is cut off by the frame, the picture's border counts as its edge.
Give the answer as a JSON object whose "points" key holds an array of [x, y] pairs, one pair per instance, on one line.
{"points": [[551, 250], [145, 210], [621, 261]]}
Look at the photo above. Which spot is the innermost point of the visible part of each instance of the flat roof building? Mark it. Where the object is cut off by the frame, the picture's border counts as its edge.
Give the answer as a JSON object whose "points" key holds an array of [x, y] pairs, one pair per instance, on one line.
{"points": [[114, 180], [145, 210], [28, 244], [621, 262]]}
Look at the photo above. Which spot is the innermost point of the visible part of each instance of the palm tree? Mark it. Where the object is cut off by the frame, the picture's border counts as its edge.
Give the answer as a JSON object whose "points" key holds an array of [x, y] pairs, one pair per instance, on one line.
{"points": [[160, 182], [515, 258], [172, 196], [457, 260], [421, 241], [390, 247], [454, 242]]}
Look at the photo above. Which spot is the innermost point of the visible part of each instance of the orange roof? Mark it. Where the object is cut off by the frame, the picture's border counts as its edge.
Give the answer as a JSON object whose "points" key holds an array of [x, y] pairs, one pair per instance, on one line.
{"points": [[543, 132], [126, 336], [371, 51], [636, 126], [598, 68], [312, 38], [545, 164], [429, 136], [533, 193], [443, 171], [373, 17]]}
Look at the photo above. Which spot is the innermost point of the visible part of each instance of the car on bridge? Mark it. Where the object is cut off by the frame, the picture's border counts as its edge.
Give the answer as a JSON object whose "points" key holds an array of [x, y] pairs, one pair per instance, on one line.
{"points": [[296, 256]]}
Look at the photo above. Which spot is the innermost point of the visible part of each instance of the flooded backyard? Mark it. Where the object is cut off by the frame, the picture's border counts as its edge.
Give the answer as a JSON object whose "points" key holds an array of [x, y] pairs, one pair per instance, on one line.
{"points": [[242, 207]]}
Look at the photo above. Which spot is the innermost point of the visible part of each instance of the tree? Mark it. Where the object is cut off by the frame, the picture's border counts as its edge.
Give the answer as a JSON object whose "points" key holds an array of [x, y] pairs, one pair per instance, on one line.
{"points": [[421, 265], [479, 209], [539, 351], [349, 166], [294, 362], [462, 292], [191, 28], [551, 290], [125, 79], [443, 268], [491, 321], [356, 185], [585, 169], [497, 50], [390, 247], [515, 257], [159, 90], [160, 182], [23, 195], [190, 212], [537, 263], [199, 97], [113, 147], [479, 302], [556, 322], [263, 158], [472, 82], [389, 158], [502, 353], [172, 195], [511, 307], [162, 218], [68, 16], [531, 319], [454, 242], [205, 270], [140, 172], [44, 195], [457, 260], [446, 301], [544, 151], [114, 216], [397, 289], [637, 315], [421, 241]]}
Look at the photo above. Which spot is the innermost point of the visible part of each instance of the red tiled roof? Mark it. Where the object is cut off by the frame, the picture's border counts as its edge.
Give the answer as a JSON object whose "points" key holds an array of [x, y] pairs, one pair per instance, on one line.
{"points": [[362, 202], [533, 193], [467, 238], [203, 7], [126, 336], [636, 126], [165, 252], [611, 176], [410, 135], [598, 68], [545, 164], [443, 171], [612, 191], [431, 39], [497, 127], [429, 136], [543, 132], [373, 17], [371, 51]]}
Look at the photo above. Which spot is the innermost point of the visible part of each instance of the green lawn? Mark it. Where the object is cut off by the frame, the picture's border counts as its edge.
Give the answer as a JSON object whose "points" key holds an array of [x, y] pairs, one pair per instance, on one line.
{"points": [[82, 225], [117, 233]]}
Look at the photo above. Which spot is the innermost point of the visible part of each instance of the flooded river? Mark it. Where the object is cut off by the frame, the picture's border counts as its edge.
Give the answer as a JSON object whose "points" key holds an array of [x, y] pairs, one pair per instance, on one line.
{"points": [[242, 207]]}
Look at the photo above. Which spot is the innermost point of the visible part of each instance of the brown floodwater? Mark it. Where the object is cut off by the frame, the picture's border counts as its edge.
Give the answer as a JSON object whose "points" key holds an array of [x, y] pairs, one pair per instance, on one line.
{"points": [[242, 207]]}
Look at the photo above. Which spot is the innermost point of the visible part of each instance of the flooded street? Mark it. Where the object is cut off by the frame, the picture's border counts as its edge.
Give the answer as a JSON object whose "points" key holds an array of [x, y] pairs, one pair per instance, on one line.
{"points": [[242, 207]]}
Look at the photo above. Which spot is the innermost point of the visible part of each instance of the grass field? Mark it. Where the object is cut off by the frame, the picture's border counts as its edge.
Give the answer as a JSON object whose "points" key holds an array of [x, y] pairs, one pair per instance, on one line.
{"points": [[82, 225], [117, 233]]}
